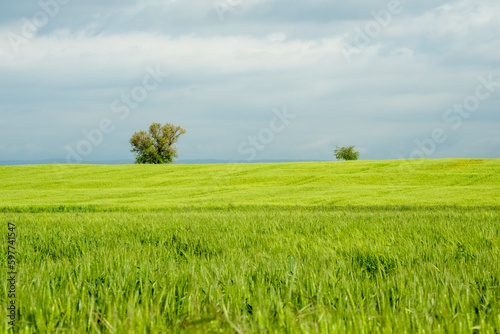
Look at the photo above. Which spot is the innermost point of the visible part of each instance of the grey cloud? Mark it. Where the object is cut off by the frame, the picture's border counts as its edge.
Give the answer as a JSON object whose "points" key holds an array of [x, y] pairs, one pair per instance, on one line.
{"points": [[227, 76]]}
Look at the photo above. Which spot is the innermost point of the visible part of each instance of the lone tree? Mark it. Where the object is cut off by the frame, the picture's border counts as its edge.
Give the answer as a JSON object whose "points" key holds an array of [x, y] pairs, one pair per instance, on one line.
{"points": [[346, 153], [157, 145]]}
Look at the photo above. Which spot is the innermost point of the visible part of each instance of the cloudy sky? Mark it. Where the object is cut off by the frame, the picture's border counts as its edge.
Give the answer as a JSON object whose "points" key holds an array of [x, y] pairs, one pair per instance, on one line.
{"points": [[250, 79]]}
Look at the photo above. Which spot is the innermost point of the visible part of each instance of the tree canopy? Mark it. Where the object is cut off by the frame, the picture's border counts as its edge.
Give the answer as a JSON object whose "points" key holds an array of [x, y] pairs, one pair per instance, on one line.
{"points": [[156, 146], [346, 153]]}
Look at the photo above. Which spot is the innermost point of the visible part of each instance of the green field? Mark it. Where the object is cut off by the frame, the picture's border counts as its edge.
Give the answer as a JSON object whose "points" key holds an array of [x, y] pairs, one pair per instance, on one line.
{"points": [[330, 247]]}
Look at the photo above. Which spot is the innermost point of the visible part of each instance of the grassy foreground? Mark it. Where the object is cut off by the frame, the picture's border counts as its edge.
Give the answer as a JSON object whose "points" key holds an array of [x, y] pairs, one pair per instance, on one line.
{"points": [[366, 247]]}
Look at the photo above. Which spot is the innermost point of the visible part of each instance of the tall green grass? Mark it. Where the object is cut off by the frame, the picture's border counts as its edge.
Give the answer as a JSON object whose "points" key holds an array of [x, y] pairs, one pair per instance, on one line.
{"points": [[289, 270], [345, 249]]}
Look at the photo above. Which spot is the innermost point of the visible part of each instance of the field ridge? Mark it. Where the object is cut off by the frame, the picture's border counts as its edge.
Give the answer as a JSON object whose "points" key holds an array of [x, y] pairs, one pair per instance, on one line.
{"points": [[446, 182]]}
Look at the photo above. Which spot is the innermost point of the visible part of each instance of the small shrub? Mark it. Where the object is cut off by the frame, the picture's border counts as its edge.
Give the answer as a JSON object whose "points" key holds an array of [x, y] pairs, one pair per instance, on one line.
{"points": [[346, 153]]}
